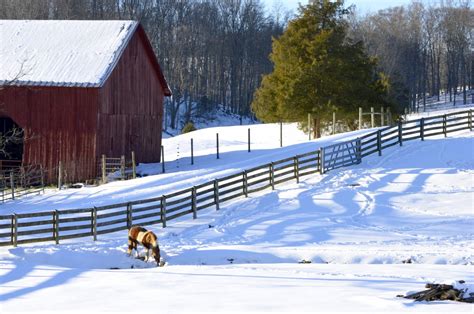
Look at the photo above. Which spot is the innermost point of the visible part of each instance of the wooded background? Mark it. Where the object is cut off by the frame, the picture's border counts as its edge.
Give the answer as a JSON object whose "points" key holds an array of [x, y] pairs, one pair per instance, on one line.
{"points": [[214, 52], [423, 49]]}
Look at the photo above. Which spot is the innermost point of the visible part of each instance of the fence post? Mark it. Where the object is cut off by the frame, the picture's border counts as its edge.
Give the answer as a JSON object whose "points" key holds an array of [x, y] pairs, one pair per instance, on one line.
{"points": [[372, 117], [162, 159], [42, 177], [296, 167], [12, 184], [193, 202], [309, 126], [379, 142], [14, 230], [444, 125], [281, 134], [360, 118], [22, 178], [272, 176], [129, 216], [134, 166], [94, 223], [359, 150], [216, 193], [163, 210], [192, 152], [469, 118], [321, 160], [56, 226], [104, 174], [217, 144], [333, 122], [382, 118], [245, 183], [60, 175], [400, 132], [422, 129], [177, 155], [122, 167], [249, 140]]}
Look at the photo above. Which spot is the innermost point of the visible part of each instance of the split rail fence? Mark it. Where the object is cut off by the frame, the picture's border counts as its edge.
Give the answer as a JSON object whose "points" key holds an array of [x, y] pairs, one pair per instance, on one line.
{"points": [[20, 181], [59, 225], [110, 165]]}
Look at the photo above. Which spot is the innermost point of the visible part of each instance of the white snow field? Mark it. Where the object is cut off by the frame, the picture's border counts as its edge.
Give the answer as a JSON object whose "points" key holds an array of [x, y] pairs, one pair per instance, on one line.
{"points": [[372, 231]]}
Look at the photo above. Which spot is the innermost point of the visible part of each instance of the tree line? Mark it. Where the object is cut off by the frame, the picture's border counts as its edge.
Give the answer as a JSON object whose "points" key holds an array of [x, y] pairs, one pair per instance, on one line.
{"points": [[424, 50], [215, 52], [212, 52], [330, 60]]}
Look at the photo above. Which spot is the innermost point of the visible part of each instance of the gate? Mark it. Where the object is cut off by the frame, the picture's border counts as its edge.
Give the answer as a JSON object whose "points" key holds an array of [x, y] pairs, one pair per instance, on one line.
{"points": [[340, 155]]}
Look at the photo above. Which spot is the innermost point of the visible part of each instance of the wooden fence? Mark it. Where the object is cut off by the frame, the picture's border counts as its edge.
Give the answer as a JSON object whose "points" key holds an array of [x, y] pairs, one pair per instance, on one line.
{"points": [[21, 181], [17, 180], [59, 225], [110, 165]]}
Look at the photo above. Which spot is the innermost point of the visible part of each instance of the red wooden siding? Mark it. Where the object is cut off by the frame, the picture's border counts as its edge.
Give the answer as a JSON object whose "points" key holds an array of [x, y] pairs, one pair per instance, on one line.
{"points": [[60, 124], [75, 125], [131, 105]]}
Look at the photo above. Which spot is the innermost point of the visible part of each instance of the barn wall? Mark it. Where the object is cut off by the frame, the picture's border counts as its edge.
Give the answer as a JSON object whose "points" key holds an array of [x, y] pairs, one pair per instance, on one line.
{"points": [[59, 124], [131, 105]]}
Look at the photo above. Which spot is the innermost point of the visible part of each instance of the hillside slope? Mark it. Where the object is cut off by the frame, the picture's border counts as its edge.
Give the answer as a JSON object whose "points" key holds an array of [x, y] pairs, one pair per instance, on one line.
{"points": [[381, 228]]}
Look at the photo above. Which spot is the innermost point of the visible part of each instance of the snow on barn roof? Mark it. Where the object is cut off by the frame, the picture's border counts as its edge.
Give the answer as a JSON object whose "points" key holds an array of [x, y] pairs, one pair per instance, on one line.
{"points": [[61, 53]]}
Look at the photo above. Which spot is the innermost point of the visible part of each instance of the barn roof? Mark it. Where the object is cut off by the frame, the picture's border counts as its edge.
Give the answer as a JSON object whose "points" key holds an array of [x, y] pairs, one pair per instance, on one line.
{"points": [[63, 53]]}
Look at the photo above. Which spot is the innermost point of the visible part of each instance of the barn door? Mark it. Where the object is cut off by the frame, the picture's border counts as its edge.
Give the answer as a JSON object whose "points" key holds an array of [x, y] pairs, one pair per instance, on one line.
{"points": [[11, 144]]}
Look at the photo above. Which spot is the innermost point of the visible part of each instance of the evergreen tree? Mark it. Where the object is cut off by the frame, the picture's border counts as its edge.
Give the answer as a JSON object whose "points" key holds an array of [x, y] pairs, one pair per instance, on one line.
{"points": [[317, 70]]}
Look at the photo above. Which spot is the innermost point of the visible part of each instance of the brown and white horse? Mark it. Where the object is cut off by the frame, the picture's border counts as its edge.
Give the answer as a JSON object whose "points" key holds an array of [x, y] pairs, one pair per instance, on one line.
{"points": [[139, 235]]}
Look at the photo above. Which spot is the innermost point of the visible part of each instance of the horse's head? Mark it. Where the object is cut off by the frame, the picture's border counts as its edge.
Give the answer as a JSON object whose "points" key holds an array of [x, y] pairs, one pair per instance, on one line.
{"points": [[155, 252]]}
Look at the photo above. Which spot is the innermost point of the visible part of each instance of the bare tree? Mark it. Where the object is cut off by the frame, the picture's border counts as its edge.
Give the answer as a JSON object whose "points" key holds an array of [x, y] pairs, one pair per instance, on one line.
{"points": [[212, 52], [14, 135], [422, 49]]}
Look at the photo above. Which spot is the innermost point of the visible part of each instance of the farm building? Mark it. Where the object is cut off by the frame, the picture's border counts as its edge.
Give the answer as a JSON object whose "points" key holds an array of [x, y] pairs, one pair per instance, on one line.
{"points": [[79, 89]]}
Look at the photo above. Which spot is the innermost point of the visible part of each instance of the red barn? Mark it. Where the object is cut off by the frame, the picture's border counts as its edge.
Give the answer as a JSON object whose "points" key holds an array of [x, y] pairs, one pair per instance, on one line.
{"points": [[80, 89]]}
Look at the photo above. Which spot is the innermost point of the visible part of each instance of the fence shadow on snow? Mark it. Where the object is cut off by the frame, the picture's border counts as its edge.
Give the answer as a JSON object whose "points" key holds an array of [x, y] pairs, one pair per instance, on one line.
{"points": [[59, 225]]}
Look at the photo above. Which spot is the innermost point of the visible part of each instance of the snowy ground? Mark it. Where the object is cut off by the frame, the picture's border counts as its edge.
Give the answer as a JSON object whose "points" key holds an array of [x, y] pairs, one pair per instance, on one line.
{"points": [[180, 174], [356, 225], [217, 118]]}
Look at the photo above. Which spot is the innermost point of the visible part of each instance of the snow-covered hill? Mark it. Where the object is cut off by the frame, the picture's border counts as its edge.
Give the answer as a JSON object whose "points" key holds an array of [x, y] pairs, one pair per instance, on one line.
{"points": [[180, 174], [216, 118], [373, 231]]}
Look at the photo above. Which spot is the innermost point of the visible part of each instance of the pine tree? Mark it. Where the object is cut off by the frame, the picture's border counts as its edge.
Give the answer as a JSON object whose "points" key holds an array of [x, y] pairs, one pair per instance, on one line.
{"points": [[317, 70]]}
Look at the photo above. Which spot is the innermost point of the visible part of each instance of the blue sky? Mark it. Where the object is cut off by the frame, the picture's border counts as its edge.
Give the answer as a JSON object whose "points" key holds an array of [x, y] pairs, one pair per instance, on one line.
{"points": [[363, 5]]}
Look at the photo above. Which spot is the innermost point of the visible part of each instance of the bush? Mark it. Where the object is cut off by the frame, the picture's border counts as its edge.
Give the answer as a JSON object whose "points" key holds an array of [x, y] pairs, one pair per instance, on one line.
{"points": [[189, 127]]}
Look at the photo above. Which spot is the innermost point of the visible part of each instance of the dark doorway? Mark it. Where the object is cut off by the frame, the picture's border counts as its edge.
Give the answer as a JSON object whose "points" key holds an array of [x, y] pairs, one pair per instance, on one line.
{"points": [[11, 141]]}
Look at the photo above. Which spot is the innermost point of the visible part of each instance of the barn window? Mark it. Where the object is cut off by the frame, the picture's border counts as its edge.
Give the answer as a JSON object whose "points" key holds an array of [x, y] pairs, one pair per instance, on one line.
{"points": [[11, 143]]}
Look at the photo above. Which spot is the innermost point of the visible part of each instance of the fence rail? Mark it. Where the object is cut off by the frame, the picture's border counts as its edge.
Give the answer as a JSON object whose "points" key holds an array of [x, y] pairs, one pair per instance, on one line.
{"points": [[17, 180], [108, 166], [21, 181], [59, 225]]}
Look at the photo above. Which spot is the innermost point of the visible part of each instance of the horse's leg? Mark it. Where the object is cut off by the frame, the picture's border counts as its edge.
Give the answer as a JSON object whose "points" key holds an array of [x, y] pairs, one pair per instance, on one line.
{"points": [[130, 246], [135, 246]]}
